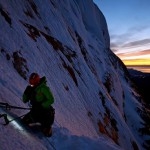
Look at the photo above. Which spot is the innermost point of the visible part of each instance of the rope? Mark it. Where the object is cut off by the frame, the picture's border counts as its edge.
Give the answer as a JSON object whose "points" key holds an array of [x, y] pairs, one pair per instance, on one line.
{"points": [[8, 106]]}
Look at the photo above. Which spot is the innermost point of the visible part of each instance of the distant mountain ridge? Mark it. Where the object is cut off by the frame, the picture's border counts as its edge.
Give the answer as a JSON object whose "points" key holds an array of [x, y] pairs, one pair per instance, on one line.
{"points": [[142, 81]]}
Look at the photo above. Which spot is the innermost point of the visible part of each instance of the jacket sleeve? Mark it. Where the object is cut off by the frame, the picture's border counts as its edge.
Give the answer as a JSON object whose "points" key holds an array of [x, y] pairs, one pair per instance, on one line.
{"points": [[49, 97], [27, 93]]}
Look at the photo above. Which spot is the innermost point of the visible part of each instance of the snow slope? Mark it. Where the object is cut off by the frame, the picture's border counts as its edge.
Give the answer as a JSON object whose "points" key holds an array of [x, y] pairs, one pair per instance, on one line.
{"points": [[68, 42]]}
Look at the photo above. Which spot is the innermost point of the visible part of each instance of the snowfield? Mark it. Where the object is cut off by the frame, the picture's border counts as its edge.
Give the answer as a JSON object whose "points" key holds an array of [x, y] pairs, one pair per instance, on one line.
{"points": [[96, 105]]}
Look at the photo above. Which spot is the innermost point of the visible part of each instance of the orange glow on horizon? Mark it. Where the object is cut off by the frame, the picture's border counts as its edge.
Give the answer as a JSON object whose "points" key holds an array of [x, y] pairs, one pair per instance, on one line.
{"points": [[137, 62], [135, 58]]}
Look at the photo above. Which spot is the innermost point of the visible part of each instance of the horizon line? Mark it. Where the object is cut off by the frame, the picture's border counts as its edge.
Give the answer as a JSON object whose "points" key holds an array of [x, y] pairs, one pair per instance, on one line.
{"points": [[138, 65]]}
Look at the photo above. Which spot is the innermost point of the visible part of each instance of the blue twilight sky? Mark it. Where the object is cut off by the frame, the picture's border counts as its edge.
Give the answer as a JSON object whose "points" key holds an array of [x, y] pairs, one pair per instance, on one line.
{"points": [[129, 28]]}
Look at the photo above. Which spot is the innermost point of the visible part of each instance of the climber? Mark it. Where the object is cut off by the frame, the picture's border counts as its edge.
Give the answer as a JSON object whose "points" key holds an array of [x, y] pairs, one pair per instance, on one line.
{"points": [[40, 97]]}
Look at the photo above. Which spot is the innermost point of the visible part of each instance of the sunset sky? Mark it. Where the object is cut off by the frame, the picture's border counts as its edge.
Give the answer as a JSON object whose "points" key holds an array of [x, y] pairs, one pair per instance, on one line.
{"points": [[129, 28]]}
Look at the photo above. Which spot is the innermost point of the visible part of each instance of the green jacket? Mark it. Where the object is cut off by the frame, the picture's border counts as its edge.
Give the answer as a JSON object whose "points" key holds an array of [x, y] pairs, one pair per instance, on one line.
{"points": [[40, 95]]}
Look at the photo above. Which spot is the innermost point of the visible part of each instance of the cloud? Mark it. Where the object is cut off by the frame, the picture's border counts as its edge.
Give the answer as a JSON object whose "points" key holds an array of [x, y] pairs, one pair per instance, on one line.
{"points": [[136, 29], [137, 43], [144, 52], [129, 37], [113, 46], [135, 54], [126, 45], [135, 57], [117, 40]]}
